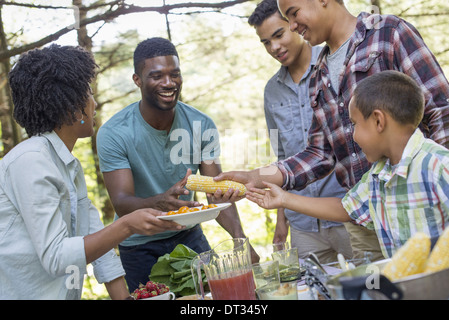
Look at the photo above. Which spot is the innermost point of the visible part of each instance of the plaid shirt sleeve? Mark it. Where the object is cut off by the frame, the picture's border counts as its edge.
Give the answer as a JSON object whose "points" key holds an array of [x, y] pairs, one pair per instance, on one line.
{"points": [[415, 59], [356, 202], [314, 162]]}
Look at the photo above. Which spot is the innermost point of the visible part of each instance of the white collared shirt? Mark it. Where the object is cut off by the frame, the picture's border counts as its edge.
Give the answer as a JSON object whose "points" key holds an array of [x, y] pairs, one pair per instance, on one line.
{"points": [[44, 215]]}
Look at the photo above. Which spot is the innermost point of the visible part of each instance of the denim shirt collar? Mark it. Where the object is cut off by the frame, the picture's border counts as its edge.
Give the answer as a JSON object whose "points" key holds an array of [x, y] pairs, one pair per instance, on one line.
{"points": [[283, 73]]}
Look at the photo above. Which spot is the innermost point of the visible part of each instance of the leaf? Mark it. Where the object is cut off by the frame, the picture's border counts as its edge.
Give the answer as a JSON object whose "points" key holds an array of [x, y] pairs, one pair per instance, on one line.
{"points": [[174, 270], [183, 251], [181, 274], [181, 265], [162, 267]]}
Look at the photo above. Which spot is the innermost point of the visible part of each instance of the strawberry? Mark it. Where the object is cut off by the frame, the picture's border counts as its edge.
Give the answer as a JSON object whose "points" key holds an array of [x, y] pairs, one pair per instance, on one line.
{"points": [[145, 294], [150, 289], [137, 294], [151, 286], [153, 293], [161, 288]]}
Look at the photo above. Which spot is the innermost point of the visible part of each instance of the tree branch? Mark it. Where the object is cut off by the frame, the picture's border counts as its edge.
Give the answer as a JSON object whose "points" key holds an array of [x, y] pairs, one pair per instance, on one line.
{"points": [[40, 6], [426, 14], [100, 104], [121, 9]]}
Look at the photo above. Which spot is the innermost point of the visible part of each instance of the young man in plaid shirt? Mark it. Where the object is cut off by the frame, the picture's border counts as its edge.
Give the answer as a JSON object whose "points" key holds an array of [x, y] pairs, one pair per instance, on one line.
{"points": [[356, 47]]}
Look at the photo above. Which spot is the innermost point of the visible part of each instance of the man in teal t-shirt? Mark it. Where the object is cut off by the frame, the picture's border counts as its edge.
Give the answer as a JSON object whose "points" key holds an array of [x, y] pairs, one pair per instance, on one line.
{"points": [[146, 152]]}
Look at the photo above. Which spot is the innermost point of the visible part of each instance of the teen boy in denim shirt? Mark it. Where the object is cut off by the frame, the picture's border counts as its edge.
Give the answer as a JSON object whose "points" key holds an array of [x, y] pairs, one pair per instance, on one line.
{"points": [[288, 112]]}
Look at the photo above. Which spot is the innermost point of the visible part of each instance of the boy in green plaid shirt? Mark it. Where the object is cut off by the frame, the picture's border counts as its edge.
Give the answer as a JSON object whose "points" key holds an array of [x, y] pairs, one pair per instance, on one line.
{"points": [[407, 188]]}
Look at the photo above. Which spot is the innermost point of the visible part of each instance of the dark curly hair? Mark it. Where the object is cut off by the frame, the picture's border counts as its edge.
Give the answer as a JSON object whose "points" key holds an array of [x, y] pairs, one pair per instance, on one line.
{"points": [[49, 86], [150, 48]]}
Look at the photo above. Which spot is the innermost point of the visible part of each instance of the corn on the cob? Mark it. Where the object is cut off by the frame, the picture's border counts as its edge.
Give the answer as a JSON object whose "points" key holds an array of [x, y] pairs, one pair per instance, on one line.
{"points": [[208, 185], [439, 257], [409, 259]]}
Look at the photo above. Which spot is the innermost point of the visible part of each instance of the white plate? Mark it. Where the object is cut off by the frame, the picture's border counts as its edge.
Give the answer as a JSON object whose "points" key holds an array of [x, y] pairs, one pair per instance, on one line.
{"points": [[165, 296], [195, 217]]}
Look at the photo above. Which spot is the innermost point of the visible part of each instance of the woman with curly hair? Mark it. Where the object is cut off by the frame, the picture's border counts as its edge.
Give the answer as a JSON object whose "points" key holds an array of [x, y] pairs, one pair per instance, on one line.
{"points": [[49, 229]]}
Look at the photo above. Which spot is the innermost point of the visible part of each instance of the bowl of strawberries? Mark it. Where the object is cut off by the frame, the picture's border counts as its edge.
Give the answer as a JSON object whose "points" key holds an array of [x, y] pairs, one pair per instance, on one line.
{"points": [[153, 291]]}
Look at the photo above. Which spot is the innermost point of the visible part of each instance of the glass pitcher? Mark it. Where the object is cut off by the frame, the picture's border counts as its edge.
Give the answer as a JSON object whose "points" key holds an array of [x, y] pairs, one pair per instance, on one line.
{"points": [[228, 271]]}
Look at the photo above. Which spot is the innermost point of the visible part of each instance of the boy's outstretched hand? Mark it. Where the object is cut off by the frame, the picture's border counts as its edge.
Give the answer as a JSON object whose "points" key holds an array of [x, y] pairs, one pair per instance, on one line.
{"points": [[270, 198]]}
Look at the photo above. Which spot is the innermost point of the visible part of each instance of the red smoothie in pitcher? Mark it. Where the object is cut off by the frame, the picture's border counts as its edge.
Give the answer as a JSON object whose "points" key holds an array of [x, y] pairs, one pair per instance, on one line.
{"points": [[239, 287]]}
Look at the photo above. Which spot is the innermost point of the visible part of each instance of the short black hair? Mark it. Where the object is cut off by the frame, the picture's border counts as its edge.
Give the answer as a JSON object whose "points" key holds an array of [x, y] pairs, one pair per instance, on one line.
{"points": [[263, 11], [49, 86], [150, 48], [391, 91]]}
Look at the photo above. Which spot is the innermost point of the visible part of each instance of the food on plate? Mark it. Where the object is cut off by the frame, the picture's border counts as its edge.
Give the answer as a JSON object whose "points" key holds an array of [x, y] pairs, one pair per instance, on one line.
{"points": [[410, 259], [186, 209], [207, 184], [439, 257], [150, 289]]}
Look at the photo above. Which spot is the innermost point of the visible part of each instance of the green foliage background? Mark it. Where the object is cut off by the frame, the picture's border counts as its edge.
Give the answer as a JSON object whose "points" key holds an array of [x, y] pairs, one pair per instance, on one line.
{"points": [[225, 69]]}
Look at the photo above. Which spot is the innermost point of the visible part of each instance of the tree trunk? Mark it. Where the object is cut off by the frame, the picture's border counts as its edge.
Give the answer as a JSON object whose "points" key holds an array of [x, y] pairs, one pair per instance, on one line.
{"points": [[86, 42], [10, 130]]}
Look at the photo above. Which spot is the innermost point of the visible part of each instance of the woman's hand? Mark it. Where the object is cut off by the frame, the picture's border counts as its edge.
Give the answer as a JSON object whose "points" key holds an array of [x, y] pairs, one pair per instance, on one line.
{"points": [[141, 221], [145, 221]]}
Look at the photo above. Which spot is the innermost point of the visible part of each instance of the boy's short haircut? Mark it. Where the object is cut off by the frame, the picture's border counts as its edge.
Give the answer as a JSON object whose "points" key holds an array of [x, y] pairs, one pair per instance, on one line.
{"points": [[394, 92], [151, 48], [263, 11]]}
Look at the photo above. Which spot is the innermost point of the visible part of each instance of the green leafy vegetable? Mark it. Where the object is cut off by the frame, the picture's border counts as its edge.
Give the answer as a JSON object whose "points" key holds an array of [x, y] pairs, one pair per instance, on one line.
{"points": [[173, 269]]}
